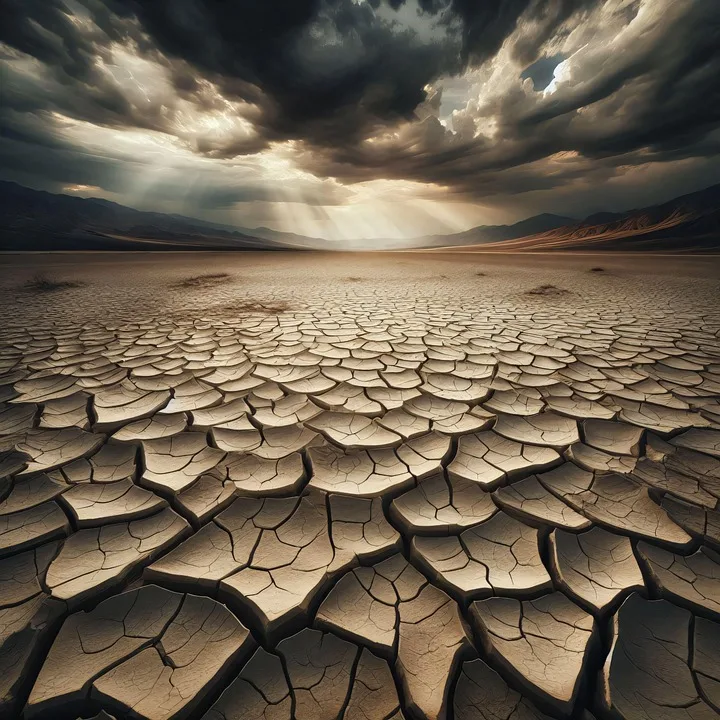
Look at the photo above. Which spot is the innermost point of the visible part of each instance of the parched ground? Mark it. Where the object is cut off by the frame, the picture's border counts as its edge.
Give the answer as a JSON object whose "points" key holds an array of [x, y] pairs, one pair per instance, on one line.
{"points": [[314, 486]]}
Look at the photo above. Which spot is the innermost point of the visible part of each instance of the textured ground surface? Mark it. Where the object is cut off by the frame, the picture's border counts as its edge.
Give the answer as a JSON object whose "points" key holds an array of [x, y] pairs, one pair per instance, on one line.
{"points": [[371, 487]]}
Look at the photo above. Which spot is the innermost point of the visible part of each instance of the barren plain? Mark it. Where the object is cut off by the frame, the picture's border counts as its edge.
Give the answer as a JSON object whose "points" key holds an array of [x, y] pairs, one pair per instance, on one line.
{"points": [[372, 486]]}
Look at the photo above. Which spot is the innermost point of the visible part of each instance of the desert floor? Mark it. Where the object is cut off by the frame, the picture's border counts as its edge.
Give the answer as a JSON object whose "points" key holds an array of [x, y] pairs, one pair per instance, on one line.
{"points": [[359, 486]]}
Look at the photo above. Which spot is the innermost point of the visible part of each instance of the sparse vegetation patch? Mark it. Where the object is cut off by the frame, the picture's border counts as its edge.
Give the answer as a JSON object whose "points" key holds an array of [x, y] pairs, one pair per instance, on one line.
{"points": [[206, 280], [42, 284], [548, 291]]}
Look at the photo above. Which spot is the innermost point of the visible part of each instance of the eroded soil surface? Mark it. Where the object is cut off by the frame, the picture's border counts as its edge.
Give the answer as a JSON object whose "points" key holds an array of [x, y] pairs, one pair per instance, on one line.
{"points": [[364, 487]]}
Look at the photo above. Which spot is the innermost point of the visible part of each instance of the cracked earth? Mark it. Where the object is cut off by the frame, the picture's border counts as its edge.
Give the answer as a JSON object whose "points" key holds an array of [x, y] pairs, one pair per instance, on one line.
{"points": [[370, 489]]}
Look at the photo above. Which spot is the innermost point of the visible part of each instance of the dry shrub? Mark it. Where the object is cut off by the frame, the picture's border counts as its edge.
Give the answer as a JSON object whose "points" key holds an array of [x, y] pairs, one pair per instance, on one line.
{"points": [[43, 284], [206, 280], [548, 291]]}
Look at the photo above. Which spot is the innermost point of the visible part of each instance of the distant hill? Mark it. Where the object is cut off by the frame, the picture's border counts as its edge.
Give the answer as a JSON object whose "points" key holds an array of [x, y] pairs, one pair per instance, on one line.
{"points": [[486, 233], [38, 220], [690, 223], [483, 233]]}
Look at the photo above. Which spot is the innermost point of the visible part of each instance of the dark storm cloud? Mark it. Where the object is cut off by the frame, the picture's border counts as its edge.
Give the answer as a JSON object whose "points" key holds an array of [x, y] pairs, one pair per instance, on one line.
{"points": [[332, 73], [653, 98], [57, 165], [327, 71], [333, 70], [330, 70]]}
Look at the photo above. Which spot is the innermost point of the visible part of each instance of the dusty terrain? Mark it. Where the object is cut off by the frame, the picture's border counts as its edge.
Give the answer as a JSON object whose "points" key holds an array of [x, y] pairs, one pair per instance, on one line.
{"points": [[359, 486]]}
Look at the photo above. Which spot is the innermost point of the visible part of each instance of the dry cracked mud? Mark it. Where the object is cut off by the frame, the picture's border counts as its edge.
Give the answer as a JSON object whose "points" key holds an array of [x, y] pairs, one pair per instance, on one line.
{"points": [[268, 492]]}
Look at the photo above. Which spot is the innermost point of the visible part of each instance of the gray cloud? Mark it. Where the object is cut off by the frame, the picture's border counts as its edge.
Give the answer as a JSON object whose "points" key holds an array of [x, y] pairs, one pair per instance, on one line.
{"points": [[357, 88]]}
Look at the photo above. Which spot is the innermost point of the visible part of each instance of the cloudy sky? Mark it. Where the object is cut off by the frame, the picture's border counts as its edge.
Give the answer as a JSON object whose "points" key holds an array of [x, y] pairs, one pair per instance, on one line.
{"points": [[362, 118]]}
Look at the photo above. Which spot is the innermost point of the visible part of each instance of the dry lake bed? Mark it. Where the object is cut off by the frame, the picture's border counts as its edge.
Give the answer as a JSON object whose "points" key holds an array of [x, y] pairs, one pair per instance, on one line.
{"points": [[370, 486]]}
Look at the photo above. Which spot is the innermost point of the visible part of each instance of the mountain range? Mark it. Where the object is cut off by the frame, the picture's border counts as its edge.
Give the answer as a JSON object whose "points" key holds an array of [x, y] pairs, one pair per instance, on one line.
{"points": [[690, 223], [39, 220]]}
